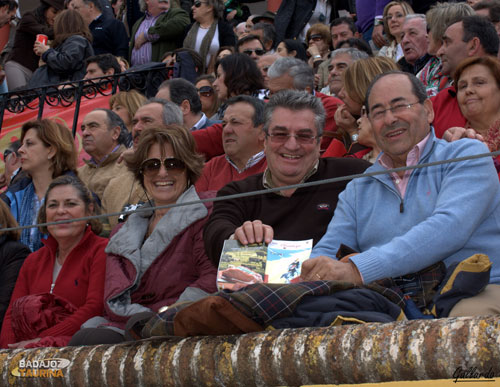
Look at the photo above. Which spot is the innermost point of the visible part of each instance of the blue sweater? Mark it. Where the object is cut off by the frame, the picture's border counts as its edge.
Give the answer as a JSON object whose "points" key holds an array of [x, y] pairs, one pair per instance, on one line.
{"points": [[449, 212]]}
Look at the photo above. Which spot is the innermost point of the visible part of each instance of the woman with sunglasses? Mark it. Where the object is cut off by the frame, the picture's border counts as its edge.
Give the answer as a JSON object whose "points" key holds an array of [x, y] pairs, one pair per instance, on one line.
{"points": [[208, 96], [319, 41], [157, 256], [209, 31]]}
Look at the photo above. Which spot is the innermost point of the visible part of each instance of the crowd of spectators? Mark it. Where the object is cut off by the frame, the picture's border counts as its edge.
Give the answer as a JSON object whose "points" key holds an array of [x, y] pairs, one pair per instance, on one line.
{"points": [[318, 90]]}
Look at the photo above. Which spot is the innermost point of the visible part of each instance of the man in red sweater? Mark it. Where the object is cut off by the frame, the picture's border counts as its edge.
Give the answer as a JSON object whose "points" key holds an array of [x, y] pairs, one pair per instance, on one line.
{"points": [[243, 142]]}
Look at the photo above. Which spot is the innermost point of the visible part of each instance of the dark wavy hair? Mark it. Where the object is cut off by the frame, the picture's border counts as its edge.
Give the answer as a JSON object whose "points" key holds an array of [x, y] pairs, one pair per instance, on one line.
{"points": [[242, 76]]}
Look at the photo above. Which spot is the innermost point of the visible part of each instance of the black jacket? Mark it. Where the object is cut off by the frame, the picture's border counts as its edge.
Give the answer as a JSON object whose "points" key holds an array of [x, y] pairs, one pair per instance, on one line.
{"points": [[109, 36]]}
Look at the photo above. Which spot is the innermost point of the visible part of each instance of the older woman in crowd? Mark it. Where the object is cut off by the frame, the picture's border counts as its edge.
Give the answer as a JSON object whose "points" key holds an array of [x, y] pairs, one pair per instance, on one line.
{"points": [[209, 31], [477, 81], [65, 59], [319, 41], [61, 285], [125, 104], [356, 78], [208, 96], [12, 255], [394, 17], [161, 29], [156, 257], [48, 151]]}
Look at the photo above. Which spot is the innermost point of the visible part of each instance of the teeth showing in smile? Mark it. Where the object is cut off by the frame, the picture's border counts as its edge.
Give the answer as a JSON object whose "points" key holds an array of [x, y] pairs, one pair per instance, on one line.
{"points": [[164, 183], [393, 134], [290, 156]]}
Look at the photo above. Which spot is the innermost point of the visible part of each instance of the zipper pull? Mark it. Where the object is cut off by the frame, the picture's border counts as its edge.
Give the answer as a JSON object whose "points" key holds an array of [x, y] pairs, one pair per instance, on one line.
{"points": [[401, 207], [52, 287]]}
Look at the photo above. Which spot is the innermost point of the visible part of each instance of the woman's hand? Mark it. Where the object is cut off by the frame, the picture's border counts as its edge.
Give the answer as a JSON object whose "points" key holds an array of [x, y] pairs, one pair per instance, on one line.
{"points": [[22, 344], [231, 15], [139, 41], [345, 120], [40, 48], [378, 36]]}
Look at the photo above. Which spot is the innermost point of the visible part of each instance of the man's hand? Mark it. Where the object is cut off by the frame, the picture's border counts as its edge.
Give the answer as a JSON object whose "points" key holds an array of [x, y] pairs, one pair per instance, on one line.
{"points": [[141, 39], [124, 154], [254, 232], [329, 269], [378, 36], [22, 344], [456, 133]]}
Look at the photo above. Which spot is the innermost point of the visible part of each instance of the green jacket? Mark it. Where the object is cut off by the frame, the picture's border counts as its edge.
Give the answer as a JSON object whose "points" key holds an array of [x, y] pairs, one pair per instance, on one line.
{"points": [[170, 26]]}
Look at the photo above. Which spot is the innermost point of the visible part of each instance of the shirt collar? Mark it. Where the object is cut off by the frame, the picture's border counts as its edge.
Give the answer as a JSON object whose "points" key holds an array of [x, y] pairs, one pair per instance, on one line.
{"points": [[98, 162], [201, 122], [414, 154], [250, 163]]}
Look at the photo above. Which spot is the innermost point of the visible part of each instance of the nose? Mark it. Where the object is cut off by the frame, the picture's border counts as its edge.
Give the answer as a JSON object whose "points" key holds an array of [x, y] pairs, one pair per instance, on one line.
{"points": [[162, 171], [21, 150], [440, 51], [291, 143]]}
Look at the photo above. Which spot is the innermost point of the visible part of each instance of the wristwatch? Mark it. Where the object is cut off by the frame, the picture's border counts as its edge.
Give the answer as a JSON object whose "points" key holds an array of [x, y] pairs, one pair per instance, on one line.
{"points": [[354, 137]]}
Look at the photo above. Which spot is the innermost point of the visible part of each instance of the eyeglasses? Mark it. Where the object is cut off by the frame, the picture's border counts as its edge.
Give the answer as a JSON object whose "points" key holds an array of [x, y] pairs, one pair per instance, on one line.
{"points": [[395, 16], [379, 114], [258, 51], [205, 91], [315, 37], [198, 4], [152, 166], [301, 138]]}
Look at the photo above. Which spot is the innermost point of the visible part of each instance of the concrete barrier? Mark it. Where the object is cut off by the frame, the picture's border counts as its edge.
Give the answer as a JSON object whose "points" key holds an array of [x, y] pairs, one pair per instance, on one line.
{"points": [[466, 348]]}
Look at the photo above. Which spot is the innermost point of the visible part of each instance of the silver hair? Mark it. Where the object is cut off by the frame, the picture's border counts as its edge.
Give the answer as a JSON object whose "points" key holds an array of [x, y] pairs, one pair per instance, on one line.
{"points": [[171, 113], [354, 53], [412, 16], [296, 100], [300, 71]]}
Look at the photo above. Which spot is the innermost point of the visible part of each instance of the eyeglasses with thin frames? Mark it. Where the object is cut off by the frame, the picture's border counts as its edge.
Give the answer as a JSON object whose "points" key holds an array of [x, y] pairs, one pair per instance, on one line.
{"points": [[301, 138], [400, 108]]}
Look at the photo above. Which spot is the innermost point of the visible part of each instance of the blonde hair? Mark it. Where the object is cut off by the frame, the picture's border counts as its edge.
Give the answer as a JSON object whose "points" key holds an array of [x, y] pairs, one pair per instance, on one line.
{"points": [[8, 221], [407, 9], [131, 100]]}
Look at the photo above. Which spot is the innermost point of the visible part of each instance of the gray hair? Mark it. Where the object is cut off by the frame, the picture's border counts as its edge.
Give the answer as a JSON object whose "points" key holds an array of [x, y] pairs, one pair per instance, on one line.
{"points": [[300, 71], [171, 114], [412, 16], [296, 100], [354, 53]]}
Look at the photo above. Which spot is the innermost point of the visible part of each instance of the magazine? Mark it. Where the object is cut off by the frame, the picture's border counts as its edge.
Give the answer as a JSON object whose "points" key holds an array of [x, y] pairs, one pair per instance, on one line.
{"points": [[278, 262]]}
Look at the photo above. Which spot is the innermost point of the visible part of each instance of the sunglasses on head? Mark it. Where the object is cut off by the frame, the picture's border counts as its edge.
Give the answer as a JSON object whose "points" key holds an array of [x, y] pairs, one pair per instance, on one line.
{"points": [[258, 51], [206, 91], [152, 166], [198, 4], [316, 37]]}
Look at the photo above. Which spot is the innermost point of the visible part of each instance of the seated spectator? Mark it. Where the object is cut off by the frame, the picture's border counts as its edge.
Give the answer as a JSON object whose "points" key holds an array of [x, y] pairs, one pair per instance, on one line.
{"points": [[414, 43], [243, 142], [340, 59], [48, 151], [471, 36], [125, 104], [319, 42], [61, 285], [161, 29], [366, 137], [489, 9], [209, 31], [293, 127], [103, 137], [22, 61], [439, 17], [252, 46], [12, 161], [343, 28], [477, 80], [394, 15], [290, 47], [109, 35], [225, 51], [264, 62], [124, 191], [434, 197], [101, 65], [185, 95], [359, 44], [292, 73], [357, 77], [156, 258], [65, 59], [12, 256], [239, 30], [208, 96], [267, 34]]}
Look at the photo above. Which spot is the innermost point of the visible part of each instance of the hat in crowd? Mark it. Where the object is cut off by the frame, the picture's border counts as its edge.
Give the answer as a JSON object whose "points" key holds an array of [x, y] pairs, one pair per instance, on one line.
{"points": [[268, 15], [57, 4]]}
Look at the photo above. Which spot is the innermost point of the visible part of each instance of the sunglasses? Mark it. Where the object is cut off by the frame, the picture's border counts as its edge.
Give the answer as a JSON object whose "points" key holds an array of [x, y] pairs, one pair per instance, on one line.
{"points": [[301, 138], [206, 91], [152, 166], [316, 37], [198, 4], [258, 51]]}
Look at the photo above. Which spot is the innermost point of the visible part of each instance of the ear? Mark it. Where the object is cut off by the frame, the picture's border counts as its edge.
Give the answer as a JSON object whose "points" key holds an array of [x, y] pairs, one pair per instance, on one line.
{"points": [[52, 152], [294, 52], [429, 110], [474, 46], [109, 71], [91, 209], [261, 135], [185, 107], [116, 133]]}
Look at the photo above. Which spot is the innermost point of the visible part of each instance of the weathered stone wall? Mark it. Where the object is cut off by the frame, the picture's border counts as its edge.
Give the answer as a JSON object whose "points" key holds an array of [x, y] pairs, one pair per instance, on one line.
{"points": [[412, 350]]}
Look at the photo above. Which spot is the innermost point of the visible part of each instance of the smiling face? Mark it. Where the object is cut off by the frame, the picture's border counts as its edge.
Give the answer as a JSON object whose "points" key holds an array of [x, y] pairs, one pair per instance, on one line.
{"points": [[63, 202], [397, 133], [395, 18], [415, 40], [290, 161], [164, 187], [35, 155], [478, 93]]}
